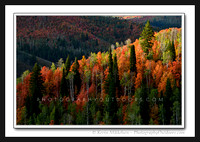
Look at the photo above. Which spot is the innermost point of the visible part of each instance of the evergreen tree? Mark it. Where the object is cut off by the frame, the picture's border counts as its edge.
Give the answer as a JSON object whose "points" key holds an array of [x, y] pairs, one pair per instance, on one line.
{"points": [[63, 85], [132, 59], [172, 51], [116, 76], [77, 78], [146, 38], [167, 102], [144, 105], [111, 105], [176, 108], [67, 68], [110, 64], [67, 65], [36, 89], [132, 67], [161, 111], [110, 75], [120, 114], [176, 117]]}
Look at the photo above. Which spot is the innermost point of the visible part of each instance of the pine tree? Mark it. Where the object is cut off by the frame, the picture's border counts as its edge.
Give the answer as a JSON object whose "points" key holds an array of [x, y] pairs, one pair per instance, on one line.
{"points": [[36, 89], [176, 117], [111, 105], [67, 68], [116, 76], [132, 66], [67, 65], [144, 105], [63, 85], [167, 101], [172, 51], [110, 75], [132, 59], [146, 38], [77, 78]]}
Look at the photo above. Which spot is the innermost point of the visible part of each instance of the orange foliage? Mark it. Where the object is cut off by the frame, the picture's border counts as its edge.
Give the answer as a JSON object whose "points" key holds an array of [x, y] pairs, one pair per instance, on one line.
{"points": [[138, 80], [23, 91], [44, 72], [56, 81], [157, 72], [163, 81]]}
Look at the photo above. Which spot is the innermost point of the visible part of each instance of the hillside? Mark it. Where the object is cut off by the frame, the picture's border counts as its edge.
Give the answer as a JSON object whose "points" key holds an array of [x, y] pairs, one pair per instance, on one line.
{"points": [[157, 22], [125, 86], [25, 61], [55, 37]]}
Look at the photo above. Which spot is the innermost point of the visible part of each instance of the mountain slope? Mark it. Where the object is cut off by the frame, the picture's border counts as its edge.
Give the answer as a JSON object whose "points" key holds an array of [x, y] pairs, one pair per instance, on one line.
{"points": [[55, 37], [158, 22]]}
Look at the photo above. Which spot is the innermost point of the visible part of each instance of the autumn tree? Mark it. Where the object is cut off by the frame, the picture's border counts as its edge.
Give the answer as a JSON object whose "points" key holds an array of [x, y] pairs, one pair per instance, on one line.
{"points": [[53, 67], [60, 63]]}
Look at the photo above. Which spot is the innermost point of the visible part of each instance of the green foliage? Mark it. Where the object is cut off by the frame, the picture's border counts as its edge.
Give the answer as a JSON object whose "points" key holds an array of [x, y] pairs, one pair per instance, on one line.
{"points": [[21, 79], [67, 65], [151, 122], [106, 118], [169, 54], [71, 111], [24, 118], [162, 114], [176, 117], [134, 117], [93, 59], [146, 38], [25, 73], [53, 67], [97, 118], [52, 114], [60, 63], [120, 114]]}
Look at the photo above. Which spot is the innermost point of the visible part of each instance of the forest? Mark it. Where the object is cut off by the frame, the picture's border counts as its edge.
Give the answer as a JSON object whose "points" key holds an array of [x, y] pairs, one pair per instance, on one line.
{"points": [[54, 37], [136, 83]]}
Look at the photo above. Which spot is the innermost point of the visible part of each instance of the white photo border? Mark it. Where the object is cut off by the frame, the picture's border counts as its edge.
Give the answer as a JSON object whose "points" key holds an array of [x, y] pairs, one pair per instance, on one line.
{"points": [[86, 13]]}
